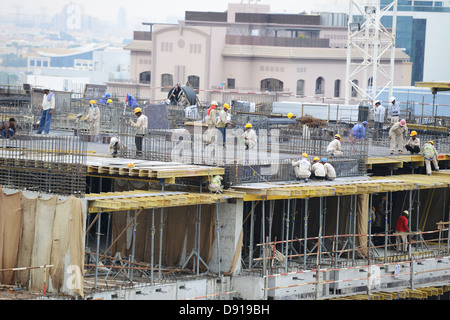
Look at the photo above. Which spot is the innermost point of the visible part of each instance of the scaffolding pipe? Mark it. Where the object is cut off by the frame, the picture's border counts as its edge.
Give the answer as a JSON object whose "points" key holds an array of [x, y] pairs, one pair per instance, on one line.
{"points": [[98, 248], [287, 235], [252, 226]]}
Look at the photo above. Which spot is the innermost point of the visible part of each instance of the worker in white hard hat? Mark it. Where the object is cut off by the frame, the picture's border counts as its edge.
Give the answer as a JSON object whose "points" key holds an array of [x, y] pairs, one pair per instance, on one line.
{"points": [[394, 110], [302, 167], [396, 133], [93, 117], [430, 154], [334, 148], [249, 136], [115, 145], [402, 228], [379, 113], [413, 144], [141, 126], [317, 169], [330, 172]]}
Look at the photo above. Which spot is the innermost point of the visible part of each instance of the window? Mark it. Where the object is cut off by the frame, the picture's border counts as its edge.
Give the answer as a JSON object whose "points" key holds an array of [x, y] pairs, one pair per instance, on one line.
{"points": [[271, 84], [231, 83], [166, 82], [300, 87], [370, 82], [354, 92], [337, 88], [320, 85], [194, 82], [144, 77]]}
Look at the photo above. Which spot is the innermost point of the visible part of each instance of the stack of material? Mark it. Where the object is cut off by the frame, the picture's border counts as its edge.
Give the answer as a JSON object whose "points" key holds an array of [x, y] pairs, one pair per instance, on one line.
{"points": [[310, 121]]}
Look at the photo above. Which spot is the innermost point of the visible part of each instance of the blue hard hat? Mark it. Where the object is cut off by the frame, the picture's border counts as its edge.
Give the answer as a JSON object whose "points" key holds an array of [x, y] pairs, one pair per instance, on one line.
{"points": [[323, 160], [108, 95], [366, 123]]}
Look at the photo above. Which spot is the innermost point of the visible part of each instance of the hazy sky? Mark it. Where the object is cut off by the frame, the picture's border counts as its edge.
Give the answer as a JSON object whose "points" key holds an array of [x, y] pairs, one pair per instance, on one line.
{"points": [[154, 10]]}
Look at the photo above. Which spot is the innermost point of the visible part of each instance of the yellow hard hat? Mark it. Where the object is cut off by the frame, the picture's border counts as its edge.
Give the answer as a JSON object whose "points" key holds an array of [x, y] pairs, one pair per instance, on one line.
{"points": [[413, 133], [304, 154], [109, 101], [431, 142], [226, 106], [92, 102], [248, 125], [290, 115], [337, 136], [136, 110], [316, 159]]}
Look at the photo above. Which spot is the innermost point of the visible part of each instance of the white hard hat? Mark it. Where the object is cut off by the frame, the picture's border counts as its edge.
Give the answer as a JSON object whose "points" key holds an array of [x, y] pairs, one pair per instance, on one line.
{"points": [[391, 99], [378, 101], [114, 140]]}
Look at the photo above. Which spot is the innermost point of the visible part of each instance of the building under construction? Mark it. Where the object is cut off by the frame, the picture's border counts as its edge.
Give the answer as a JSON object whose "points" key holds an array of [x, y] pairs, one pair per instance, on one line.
{"points": [[78, 223]]}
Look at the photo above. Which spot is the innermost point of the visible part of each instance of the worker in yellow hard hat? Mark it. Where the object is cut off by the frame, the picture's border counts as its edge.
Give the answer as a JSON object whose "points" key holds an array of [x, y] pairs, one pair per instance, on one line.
{"points": [[334, 148], [317, 169], [413, 144], [249, 136], [290, 115], [223, 121], [141, 126], [302, 167], [430, 154], [93, 117]]}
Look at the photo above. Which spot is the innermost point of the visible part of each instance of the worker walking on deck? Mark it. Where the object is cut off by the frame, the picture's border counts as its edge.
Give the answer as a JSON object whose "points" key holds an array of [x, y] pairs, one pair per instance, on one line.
{"points": [[334, 148], [430, 154], [302, 168], [249, 136], [330, 173], [48, 106], [317, 169], [394, 110], [379, 113], [413, 144], [396, 135], [141, 126], [402, 227], [93, 117]]}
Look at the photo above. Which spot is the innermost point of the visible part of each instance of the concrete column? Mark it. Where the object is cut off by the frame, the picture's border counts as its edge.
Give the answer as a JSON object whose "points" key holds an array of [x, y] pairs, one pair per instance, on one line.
{"points": [[230, 228]]}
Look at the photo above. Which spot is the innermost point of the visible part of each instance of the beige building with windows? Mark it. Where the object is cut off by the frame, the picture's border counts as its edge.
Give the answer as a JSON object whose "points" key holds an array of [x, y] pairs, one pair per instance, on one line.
{"points": [[241, 51]]}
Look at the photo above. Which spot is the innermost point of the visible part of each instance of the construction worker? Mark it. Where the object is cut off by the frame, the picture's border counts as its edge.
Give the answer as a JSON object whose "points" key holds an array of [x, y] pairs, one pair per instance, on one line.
{"points": [[93, 117], [402, 227], [221, 124], [211, 119], [317, 169], [334, 147], [216, 185], [394, 110], [130, 101], [8, 129], [249, 136], [330, 173], [430, 154], [104, 99], [115, 145], [141, 126], [48, 106], [359, 130], [396, 135], [302, 168], [413, 144], [379, 113]]}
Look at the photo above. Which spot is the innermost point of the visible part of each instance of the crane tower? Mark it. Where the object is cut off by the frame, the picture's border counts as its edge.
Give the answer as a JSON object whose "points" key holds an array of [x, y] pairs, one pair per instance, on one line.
{"points": [[370, 50]]}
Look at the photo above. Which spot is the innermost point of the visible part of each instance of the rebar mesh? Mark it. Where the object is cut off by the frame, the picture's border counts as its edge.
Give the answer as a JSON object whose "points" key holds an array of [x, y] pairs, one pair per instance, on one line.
{"points": [[50, 164]]}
